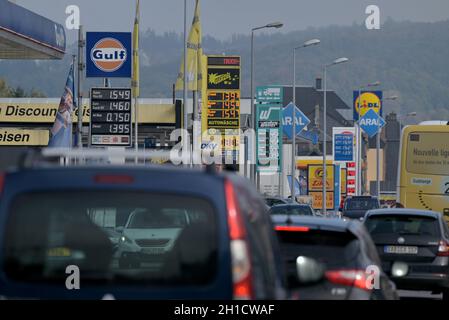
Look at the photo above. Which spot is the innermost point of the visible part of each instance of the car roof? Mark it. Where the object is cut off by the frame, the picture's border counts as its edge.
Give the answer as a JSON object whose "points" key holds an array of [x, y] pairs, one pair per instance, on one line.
{"points": [[330, 224], [403, 211], [287, 205]]}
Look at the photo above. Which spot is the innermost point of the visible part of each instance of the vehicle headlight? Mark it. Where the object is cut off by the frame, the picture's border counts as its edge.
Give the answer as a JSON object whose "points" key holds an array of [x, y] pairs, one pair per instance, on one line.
{"points": [[125, 239]]}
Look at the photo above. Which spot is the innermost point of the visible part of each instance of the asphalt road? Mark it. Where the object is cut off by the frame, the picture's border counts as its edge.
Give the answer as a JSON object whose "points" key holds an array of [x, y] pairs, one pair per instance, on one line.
{"points": [[418, 295]]}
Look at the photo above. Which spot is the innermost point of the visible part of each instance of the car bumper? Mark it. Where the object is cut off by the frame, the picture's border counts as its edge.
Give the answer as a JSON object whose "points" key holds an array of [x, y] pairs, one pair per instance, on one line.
{"points": [[422, 281]]}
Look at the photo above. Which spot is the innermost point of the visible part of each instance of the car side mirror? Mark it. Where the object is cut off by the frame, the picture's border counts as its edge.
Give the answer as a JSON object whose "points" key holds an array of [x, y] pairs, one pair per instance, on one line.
{"points": [[120, 229], [309, 270], [399, 269]]}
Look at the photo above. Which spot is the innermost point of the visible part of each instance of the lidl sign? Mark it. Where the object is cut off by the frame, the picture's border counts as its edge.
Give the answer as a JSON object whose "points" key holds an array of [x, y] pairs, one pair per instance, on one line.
{"points": [[368, 100]]}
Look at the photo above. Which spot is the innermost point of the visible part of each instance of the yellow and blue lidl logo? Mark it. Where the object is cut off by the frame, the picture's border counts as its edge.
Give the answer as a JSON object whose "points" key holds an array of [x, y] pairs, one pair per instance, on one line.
{"points": [[368, 100]]}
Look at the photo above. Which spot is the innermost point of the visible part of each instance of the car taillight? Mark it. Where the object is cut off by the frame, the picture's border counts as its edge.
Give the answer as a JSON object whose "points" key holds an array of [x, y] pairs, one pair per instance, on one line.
{"points": [[292, 228], [241, 261], [443, 249], [352, 278], [114, 179]]}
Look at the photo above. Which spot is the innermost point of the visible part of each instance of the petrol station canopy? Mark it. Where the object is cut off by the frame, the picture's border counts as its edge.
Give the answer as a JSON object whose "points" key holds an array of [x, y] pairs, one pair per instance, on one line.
{"points": [[27, 35]]}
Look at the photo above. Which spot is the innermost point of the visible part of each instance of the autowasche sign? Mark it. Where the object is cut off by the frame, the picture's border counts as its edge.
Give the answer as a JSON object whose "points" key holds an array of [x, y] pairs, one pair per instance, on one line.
{"points": [[108, 54]]}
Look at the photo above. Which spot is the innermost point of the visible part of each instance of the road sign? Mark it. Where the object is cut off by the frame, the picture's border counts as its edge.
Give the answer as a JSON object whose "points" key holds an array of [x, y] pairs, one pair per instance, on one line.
{"points": [[343, 144], [370, 100], [270, 94], [287, 120], [108, 55], [371, 123], [110, 121], [269, 137]]}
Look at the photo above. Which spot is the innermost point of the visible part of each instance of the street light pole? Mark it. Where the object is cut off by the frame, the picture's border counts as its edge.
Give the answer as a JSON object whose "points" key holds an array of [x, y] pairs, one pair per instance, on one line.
{"points": [[378, 151], [292, 186], [185, 143], [276, 25], [337, 61], [359, 140]]}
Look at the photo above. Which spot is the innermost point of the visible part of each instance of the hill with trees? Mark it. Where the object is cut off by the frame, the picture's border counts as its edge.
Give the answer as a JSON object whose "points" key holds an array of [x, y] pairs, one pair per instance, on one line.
{"points": [[410, 59]]}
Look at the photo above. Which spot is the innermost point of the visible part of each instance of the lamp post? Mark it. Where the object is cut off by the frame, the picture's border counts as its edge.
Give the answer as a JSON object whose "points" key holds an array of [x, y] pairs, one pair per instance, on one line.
{"points": [[378, 152], [304, 45], [276, 25], [335, 62], [359, 139]]}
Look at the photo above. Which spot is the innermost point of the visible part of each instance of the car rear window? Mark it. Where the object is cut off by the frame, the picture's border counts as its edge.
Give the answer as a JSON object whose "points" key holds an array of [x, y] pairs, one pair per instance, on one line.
{"points": [[402, 224], [112, 237], [334, 249], [362, 204], [297, 211]]}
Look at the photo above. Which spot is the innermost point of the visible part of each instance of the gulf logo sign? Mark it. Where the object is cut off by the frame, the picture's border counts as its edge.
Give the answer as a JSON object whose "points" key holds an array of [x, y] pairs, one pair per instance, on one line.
{"points": [[108, 54], [367, 100]]}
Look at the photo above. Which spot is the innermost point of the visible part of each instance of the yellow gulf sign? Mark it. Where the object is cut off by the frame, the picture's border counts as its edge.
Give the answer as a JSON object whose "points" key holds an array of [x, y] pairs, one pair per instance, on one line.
{"points": [[22, 137], [366, 101]]}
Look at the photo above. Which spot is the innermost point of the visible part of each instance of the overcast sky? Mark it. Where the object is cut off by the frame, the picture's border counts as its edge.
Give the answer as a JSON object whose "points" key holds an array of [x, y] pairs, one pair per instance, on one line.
{"points": [[223, 18]]}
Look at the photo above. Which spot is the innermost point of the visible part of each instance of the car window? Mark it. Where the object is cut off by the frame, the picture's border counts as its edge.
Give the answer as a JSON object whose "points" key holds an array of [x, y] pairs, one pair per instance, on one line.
{"points": [[159, 218], [401, 224], [336, 250], [296, 210], [362, 204], [46, 232]]}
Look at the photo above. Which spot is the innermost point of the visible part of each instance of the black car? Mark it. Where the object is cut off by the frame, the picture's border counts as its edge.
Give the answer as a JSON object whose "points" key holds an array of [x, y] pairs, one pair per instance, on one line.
{"points": [[416, 239], [292, 209], [274, 201], [355, 207], [331, 259], [53, 217]]}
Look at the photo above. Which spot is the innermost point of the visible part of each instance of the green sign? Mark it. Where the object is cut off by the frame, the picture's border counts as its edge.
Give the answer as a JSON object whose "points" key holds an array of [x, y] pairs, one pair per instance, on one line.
{"points": [[269, 137], [270, 94]]}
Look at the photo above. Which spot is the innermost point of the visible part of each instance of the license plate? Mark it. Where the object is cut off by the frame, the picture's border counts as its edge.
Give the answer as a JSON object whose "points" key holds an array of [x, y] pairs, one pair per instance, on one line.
{"points": [[153, 250], [401, 249]]}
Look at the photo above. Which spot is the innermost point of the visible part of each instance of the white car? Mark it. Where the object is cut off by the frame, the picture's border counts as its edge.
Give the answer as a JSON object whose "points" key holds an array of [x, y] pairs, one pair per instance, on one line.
{"points": [[148, 235]]}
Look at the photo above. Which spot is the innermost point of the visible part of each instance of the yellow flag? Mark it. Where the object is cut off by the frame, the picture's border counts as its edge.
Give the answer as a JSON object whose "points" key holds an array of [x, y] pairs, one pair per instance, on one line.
{"points": [[136, 74], [194, 56]]}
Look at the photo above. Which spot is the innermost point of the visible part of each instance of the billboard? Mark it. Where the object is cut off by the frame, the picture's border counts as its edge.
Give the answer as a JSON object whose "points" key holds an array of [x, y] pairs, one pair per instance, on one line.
{"points": [[269, 137], [108, 55], [343, 144], [23, 137], [221, 109], [369, 100], [317, 202], [315, 177]]}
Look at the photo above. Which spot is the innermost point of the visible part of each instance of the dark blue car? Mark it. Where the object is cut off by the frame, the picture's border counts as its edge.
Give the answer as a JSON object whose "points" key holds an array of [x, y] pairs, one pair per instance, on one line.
{"points": [[198, 235]]}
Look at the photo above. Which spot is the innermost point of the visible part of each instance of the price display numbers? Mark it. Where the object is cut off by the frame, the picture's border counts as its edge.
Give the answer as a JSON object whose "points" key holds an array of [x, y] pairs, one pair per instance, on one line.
{"points": [[111, 123], [223, 110]]}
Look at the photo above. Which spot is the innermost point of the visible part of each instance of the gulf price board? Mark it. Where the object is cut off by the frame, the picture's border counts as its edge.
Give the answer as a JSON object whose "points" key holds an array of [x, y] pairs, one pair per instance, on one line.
{"points": [[110, 121], [221, 110]]}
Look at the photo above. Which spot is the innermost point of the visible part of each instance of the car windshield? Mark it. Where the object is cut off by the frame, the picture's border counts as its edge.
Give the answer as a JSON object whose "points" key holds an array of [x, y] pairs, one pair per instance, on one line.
{"points": [[400, 224], [46, 232], [144, 219], [292, 210], [362, 204]]}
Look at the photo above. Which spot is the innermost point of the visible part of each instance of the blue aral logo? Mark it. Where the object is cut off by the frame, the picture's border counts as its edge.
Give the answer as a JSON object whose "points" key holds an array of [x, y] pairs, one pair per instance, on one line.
{"points": [[287, 120], [371, 123]]}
